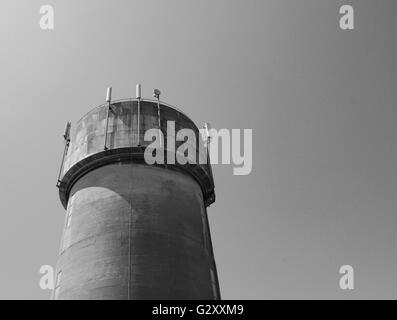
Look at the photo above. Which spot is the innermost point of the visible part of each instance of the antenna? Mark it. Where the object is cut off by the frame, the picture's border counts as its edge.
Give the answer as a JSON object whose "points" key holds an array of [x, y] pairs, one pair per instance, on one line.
{"points": [[66, 136], [109, 94], [207, 128], [108, 100], [138, 96], [156, 94], [138, 91]]}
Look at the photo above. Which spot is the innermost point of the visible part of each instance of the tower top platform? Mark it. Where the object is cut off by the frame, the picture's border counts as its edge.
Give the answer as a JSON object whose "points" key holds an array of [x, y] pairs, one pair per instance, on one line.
{"points": [[126, 125]]}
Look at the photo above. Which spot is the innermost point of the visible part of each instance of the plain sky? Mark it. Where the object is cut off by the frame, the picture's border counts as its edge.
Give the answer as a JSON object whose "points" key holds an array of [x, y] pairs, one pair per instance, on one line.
{"points": [[321, 102]]}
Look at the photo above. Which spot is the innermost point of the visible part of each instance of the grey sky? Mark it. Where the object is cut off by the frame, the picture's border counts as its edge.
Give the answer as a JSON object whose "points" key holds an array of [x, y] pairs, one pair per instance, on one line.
{"points": [[321, 103]]}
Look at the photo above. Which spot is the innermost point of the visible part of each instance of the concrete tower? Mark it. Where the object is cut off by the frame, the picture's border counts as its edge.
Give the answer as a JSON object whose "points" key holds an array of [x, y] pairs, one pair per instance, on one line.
{"points": [[133, 230]]}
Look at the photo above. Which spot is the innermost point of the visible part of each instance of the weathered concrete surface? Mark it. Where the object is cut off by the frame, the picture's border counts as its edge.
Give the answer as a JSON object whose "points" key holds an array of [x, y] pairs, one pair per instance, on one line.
{"points": [[136, 232], [88, 135], [133, 231]]}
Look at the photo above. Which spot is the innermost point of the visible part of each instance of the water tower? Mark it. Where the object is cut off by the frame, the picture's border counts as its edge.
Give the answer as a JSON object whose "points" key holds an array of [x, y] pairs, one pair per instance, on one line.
{"points": [[133, 230]]}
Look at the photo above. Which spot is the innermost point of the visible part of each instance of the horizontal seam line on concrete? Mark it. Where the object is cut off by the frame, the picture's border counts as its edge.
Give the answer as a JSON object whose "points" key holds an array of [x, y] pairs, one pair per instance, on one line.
{"points": [[183, 236]]}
